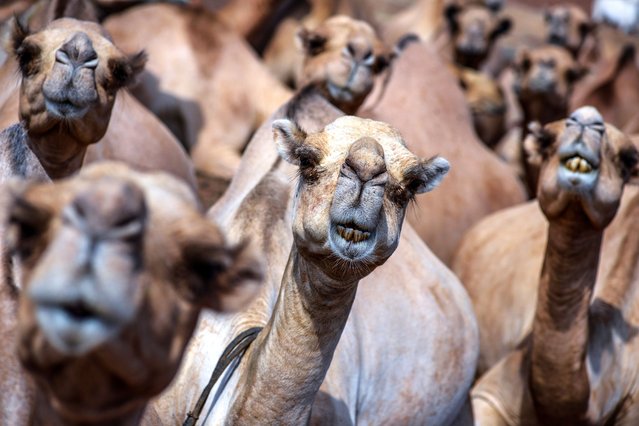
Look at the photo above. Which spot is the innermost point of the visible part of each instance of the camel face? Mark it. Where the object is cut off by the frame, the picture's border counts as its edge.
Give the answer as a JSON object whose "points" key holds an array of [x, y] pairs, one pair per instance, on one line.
{"points": [[545, 76], [116, 265], [342, 55], [584, 163], [473, 30], [567, 26], [356, 179], [487, 104], [71, 72]]}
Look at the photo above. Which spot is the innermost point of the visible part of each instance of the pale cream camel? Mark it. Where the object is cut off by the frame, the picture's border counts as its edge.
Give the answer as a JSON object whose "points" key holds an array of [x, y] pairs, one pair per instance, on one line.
{"points": [[422, 99], [582, 311], [217, 96], [116, 267], [66, 103], [387, 366]]}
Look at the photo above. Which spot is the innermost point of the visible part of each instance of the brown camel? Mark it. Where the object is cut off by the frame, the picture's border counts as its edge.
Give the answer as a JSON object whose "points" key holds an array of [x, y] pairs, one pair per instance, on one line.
{"points": [[364, 379], [486, 102], [116, 266], [203, 101], [472, 31], [570, 26], [576, 367], [543, 81], [423, 100], [581, 311], [71, 73]]}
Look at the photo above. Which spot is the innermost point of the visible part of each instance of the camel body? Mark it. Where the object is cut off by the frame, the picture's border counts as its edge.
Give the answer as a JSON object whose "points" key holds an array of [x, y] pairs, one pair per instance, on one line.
{"points": [[386, 366]]}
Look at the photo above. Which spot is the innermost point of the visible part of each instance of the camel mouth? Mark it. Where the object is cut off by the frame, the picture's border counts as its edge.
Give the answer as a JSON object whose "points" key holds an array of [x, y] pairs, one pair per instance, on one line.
{"points": [[352, 233], [66, 109], [578, 164], [74, 327], [340, 93], [351, 242]]}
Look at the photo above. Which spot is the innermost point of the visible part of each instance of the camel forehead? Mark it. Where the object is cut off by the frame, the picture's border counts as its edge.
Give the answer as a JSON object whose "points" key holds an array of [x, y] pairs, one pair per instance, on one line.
{"points": [[338, 137], [62, 30], [560, 55], [341, 29]]}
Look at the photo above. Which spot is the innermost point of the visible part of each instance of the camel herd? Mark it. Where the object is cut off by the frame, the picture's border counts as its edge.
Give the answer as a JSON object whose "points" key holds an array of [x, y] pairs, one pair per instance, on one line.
{"points": [[211, 212]]}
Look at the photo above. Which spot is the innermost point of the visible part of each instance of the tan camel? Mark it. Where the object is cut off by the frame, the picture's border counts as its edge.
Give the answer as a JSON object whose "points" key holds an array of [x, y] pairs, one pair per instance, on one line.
{"points": [[116, 267], [486, 102], [423, 101], [209, 102], [500, 259], [576, 367], [570, 26], [543, 81], [472, 31], [365, 382], [71, 73]]}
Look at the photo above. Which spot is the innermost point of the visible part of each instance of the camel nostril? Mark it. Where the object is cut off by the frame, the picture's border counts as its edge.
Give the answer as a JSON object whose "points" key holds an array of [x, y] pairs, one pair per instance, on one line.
{"points": [[78, 51], [62, 57]]}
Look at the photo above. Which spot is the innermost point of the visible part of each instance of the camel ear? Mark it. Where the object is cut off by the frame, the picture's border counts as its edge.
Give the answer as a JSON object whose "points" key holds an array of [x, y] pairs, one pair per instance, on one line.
{"points": [[219, 277], [537, 143], [426, 175], [125, 70], [629, 162], [503, 26], [310, 42], [291, 146], [26, 53], [450, 13]]}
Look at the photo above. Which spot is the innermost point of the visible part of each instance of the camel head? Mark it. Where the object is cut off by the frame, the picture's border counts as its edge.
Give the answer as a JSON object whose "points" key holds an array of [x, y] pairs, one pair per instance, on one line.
{"points": [[487, 104], [568, 26], [356, 179], [473, 29], [544, 80], [71, 72], [342, 56], [584, 163], [115, 266]]}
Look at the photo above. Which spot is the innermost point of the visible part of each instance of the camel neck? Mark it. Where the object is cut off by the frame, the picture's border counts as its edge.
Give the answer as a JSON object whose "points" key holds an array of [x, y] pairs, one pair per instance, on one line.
{"points": [[288, 362], [559, 378], [60, 155]]}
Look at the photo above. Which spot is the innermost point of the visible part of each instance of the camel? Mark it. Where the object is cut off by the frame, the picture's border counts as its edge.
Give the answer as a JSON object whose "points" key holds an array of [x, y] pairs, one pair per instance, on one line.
{"points": [[423, 101], [573, 366], [472, 31], [487, 104], [70, 93], [202, 101], [95, 353], [512, 246], [570, 26], [543, 82], [363, 382]]}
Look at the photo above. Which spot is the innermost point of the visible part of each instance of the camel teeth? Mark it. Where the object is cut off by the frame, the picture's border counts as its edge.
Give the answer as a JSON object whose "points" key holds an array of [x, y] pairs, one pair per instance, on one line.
{"points": [[584, 167], [352, 235]]}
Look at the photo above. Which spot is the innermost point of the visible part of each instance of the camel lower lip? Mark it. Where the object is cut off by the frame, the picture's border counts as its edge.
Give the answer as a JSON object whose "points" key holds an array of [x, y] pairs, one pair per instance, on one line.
{"points": [[65, 109], [73, 331]]}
